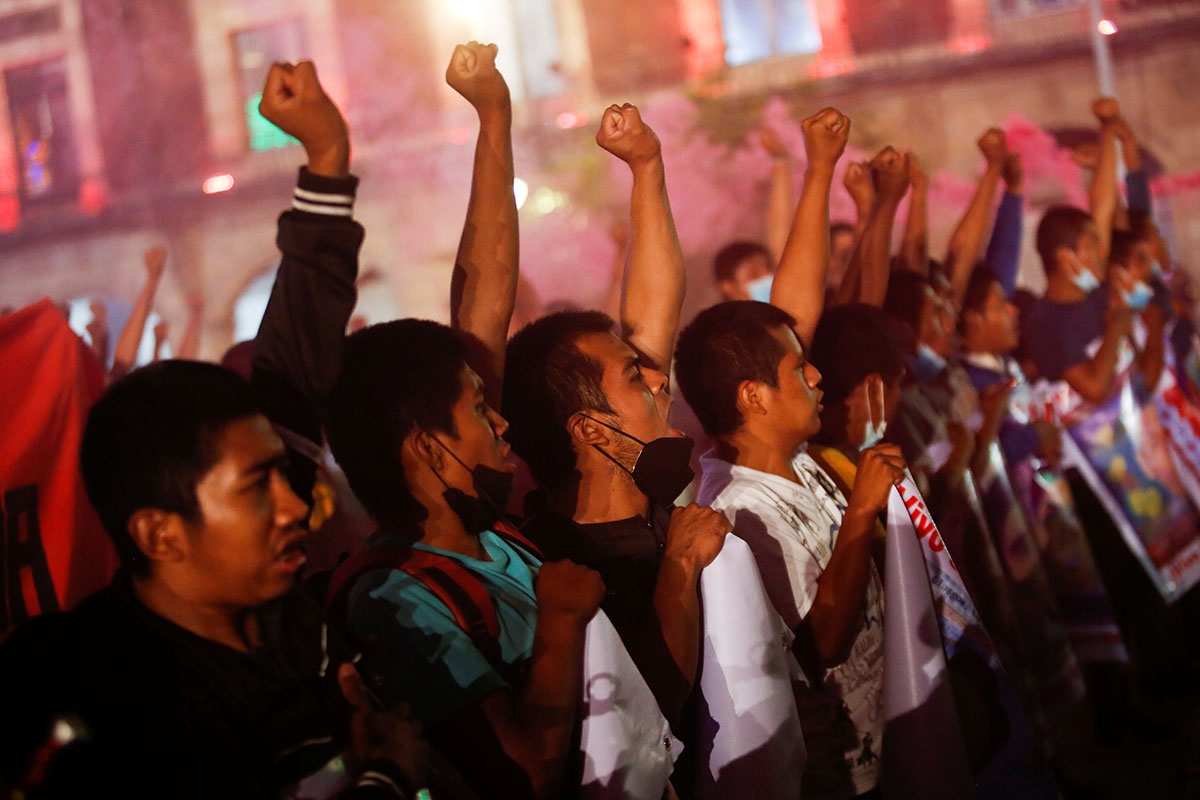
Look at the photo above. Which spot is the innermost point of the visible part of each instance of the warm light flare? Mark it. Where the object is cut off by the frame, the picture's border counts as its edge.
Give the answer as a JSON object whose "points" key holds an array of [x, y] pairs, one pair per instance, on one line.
{"points": [[218, 183], [1107, 27]]}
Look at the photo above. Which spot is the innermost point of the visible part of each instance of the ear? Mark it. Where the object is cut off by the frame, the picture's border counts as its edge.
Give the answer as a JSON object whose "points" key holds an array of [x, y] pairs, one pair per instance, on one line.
{"points": [[727, 288], [420, 445], [751, 398], [1062, 260], [585, 431], [159, 534]]}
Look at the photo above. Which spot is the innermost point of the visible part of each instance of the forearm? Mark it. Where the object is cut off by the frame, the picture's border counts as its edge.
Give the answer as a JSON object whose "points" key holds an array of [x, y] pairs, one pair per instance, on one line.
{"points": [[1004, 249], [914, 247], [1151, 359], [547, 702], [125, 354], [484, 282], [967, 239], [871, 262], [655, 282], [779, 207], [799, 285], [842, 588], [189, 345], [1102, 197], [677, 607]]}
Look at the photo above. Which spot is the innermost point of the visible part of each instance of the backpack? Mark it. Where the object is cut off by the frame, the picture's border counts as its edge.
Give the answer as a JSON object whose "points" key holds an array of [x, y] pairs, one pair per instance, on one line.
{"points": [[453, 584]]}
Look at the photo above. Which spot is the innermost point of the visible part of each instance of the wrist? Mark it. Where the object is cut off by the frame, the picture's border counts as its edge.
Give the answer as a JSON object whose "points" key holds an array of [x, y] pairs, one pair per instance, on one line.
{"points": [[330, 161]]}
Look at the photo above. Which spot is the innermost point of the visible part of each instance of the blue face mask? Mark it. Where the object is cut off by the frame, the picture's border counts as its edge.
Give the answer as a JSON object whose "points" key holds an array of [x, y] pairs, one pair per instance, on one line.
{"points": [[1156, 269], [927, 364], [1086, 281], [875, 429], [1139, 296], [760, 289]]}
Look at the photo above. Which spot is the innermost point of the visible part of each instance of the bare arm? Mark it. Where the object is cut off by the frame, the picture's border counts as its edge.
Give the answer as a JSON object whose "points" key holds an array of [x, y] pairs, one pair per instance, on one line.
{"points": [[867, 276], [966, 243], [799, 285], [779, 203], [1093, 379], [914, 247], [1102, 196], [125, 354], [842, 587], [655, 281], [483, 287], [533, 726]]}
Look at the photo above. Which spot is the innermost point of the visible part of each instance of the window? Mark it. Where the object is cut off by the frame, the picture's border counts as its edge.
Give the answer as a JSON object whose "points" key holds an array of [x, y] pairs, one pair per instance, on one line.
{"points": [[758, 29], [40, 115], [256, 49]]}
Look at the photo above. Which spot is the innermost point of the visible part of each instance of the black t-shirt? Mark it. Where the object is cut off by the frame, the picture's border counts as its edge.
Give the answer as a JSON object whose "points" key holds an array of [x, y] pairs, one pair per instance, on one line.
{"points": [[162, 712], [1056, 335]]}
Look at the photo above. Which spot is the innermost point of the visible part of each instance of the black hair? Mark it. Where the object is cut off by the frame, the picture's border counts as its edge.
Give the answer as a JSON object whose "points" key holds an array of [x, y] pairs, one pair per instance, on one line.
{"points": [[547, 379], [854, 341], [906, 293], [1120, 252], [724, 345], [1061, 226], [727, 259], [396, 377], [151, 439]]}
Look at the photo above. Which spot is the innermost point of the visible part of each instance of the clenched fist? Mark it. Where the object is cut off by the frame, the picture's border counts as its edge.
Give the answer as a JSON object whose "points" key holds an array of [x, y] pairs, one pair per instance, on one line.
{"points": [[294, 101], [623, 134], [825, 136], [879, 469], [994, 147], [472, 73], [889, 174], [695, 535]]}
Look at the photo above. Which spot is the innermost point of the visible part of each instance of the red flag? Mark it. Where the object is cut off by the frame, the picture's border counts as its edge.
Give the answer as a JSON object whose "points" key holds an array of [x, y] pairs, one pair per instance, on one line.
{"points": [[53, 551]]}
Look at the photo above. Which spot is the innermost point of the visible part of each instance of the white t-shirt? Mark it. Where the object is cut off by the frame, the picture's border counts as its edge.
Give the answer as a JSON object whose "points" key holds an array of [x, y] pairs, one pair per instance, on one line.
{"points": [[792, 529]]}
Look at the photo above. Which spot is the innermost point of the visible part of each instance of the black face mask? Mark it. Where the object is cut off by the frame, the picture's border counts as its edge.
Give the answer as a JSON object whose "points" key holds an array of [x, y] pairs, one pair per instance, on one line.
{"points": [[492, 489], [663, 469]]}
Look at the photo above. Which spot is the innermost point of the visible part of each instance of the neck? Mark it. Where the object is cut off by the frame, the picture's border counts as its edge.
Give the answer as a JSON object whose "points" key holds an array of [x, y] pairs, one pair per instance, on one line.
{"points": [[444, 530], [605, 493], [233, 627], [1060, 289], [754, 450]]}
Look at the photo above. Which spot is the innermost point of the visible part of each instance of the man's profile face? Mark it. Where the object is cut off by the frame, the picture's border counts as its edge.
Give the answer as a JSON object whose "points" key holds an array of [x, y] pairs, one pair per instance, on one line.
{"points": [[1087, 250], [794, 405], [936, 323], [998, 329], [637, 393], [247, 546], [479, 438]]}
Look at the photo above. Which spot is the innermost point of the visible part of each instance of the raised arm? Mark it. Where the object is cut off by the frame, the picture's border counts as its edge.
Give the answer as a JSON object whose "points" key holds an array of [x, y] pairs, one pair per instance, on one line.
{"points": [[125, 354], [1137, 186], [799, 285], [655, 281], [189, 345], [483, 288], [914, 247], [966, 243], [1102, 196], [779, 203], [1003, 255], [867, 276], [298, 350]]}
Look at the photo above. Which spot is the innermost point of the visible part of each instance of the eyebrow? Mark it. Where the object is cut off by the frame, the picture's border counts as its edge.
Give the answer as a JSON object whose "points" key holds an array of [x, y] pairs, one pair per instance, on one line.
{"points": [[277, 460]]}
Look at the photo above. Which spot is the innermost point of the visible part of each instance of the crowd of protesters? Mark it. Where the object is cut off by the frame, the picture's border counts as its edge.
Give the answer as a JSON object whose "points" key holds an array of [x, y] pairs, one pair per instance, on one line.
{"points": [[595, 636]]}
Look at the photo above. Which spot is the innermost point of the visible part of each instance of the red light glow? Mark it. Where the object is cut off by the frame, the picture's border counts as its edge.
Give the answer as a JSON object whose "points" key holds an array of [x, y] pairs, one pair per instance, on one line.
{"points": [[571, 119]]}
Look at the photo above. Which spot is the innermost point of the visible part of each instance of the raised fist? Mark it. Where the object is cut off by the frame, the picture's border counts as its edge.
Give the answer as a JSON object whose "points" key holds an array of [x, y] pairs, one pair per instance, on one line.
{"points": [[1106, 108], [568, 588], [994, 147], [916, 175], [623, 134], [768, 137], [294, 101], [155, 260], [696, 534], [472, 73], [889, 174], [825, 135]]}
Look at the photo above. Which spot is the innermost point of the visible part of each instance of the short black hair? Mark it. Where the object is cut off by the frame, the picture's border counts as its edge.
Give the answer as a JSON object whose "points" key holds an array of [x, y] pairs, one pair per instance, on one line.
{"points": [[724, 345], [1121, 249], [905, 298], [727, 259], [979, 286], [151, 439], [547, 379], [1061, 226], [396, 376], [853, 341]]}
